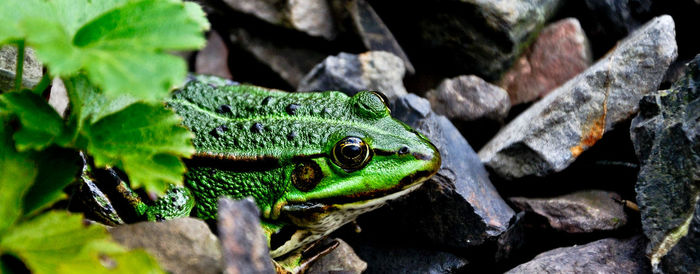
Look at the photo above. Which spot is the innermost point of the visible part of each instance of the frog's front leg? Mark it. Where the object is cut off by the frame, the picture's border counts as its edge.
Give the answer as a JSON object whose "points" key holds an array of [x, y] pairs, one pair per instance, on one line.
{"points": [[177, 202]]}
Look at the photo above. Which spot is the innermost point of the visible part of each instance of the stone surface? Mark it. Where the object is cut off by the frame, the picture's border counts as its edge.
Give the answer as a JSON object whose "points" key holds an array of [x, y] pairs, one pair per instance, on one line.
{"points": [[602, 256], [559, 53], [31, 71], [58, 98], [350, 73], [467, 98], [181, 245], [290, 62], [465, 209], [243, 242], [666, 137], [551, 134], [342, 259], [385, 259], [684, 257], [374, 34], [213, 58], [584, 211], [313, 17], [481, 37]]}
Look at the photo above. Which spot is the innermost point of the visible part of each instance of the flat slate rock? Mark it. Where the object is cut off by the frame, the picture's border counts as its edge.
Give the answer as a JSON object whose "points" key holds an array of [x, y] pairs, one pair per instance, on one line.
{"points": [[552, 133], [666, 137], [579, 212], [602, 256], [183, 245]]}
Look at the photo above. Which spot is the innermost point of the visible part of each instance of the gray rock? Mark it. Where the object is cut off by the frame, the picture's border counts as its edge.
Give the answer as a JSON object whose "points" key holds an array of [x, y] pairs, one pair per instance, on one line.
{"points": [[313, 17], [291, 63], [481, 37], [350, 73], [467, 98], [666, 137], [213, 58], [552, 133], [181, 245], [602, 256], [465, 209], [243, 242], [385, 259], [31, 71], [341, 259], [58, 97], [560, 52], [684, 257], [584, 211], [375, 35]]}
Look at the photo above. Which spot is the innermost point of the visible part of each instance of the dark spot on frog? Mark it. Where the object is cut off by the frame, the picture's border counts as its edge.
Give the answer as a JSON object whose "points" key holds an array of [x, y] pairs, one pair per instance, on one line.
{"points": [[219, 131], [224, 109], [404, 150], [292, 135], [256, 128], [326, 111], [212, 85], [292, 109], [266, 101]]}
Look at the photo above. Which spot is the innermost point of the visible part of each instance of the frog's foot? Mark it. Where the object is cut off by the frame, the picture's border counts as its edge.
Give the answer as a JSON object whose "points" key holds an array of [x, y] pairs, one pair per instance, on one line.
{"points": [[301, 261]]}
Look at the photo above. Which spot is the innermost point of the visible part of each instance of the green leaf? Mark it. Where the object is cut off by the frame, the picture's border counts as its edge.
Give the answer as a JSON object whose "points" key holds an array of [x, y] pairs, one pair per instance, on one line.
{"points": [[40, 122], [120, 44], [155, 171], [59, 242], [18, 173], [57, 168], [143, 140]]}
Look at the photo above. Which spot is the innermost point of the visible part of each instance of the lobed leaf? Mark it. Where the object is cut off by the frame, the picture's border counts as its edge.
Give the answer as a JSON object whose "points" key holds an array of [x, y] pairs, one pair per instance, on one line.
{"points": [[18, 173], [144, 140], [40, 123], [120, 44]]}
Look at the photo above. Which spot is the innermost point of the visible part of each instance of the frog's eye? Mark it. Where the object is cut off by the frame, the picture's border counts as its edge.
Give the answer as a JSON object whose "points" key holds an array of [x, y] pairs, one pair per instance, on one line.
{"points": [[351, 153], [382, 97]]}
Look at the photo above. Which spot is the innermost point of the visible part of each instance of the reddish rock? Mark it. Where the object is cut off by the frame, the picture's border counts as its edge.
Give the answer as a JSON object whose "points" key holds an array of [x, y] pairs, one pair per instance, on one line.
{"points": [[559, 53], [213, 59]]}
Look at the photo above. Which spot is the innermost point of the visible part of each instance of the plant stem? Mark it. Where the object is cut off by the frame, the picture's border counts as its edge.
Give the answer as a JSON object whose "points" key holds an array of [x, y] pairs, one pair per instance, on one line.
{"points": [[20, 65]]}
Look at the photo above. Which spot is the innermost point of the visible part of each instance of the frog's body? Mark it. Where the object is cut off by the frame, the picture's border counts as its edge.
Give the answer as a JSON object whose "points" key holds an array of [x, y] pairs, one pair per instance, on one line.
{"points": [[312, 160]]}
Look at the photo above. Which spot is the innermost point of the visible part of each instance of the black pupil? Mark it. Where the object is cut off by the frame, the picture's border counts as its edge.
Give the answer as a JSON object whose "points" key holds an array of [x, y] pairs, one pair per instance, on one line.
{"points": [[351, 151]]}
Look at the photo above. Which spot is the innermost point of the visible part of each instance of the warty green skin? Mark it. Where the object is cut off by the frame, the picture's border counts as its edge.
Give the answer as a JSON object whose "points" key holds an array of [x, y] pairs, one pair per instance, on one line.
{"points": [[250, 142]]}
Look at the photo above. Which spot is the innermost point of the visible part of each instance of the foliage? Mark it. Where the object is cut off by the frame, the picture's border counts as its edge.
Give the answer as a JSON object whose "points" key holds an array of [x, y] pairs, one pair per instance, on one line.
{"points": [[112, 57]]}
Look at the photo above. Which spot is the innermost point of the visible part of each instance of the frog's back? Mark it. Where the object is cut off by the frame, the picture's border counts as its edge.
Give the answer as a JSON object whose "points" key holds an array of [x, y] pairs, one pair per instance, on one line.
{"points": [[241, 121]]}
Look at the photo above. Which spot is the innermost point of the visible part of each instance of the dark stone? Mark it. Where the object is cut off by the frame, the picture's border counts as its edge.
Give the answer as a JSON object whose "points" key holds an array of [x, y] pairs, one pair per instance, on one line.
{"points": [[213, 58], [666, 137], [685, 256], [180, 245], [465, 37], [583, 211], [385, 259], [465, 209], [602, 256], [243, 242], [375, 35], [350, 73]]}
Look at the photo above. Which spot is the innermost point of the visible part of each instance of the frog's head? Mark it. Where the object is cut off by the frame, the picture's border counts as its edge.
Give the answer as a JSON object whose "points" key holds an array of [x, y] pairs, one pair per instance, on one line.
{"points": [[374, 159]]}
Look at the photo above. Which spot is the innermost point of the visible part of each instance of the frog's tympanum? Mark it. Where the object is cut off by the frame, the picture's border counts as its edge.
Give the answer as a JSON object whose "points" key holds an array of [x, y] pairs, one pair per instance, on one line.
{"points": [[314, 161]]}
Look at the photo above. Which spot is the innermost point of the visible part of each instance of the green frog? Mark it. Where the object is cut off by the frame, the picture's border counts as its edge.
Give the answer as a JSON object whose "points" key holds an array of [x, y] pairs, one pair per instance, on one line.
{"points": [[313, 161]]}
